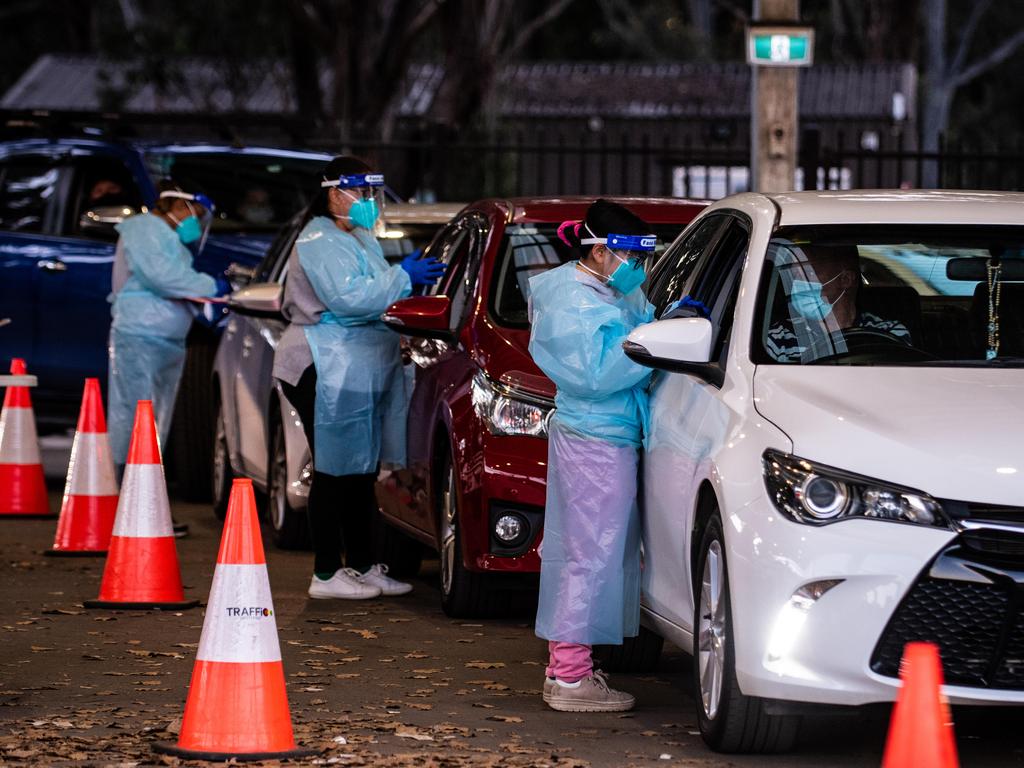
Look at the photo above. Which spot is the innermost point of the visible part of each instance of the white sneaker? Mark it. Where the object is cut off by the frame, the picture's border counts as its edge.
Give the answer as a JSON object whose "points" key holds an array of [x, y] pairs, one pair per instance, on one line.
{"points": [[345, 584], [378, 577]]}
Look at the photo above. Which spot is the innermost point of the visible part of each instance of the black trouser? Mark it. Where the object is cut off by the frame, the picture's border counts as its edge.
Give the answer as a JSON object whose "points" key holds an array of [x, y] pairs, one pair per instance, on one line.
{"points": [[341, 508]]}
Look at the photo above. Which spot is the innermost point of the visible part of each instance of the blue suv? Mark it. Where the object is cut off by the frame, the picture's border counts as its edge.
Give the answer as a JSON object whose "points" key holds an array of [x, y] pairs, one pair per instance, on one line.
{"points": [[59, 202]]}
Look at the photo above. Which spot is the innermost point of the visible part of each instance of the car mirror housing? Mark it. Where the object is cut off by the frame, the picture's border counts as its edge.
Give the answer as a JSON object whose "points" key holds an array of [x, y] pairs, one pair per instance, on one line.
{"points": [[258, 300], [679, 345], [427, 317]]}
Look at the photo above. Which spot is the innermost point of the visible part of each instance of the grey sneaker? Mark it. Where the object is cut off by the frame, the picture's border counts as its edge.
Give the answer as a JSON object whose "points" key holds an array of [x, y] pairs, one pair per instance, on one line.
{"points": [[592, 695], [549, 686]]}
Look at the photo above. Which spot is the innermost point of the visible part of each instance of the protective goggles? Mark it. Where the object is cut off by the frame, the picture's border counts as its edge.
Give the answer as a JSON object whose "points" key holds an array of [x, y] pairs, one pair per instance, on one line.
{"points": [[365, 184], [635, 248]]}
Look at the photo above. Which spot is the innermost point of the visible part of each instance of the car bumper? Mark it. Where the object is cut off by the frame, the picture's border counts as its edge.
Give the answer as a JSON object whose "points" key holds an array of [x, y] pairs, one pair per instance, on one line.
{"points": [[513, 476], [823, 653]]}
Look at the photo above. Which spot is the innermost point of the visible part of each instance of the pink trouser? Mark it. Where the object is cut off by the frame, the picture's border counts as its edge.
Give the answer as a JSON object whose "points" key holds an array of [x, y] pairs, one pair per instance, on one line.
{"points": [[569, 661]]}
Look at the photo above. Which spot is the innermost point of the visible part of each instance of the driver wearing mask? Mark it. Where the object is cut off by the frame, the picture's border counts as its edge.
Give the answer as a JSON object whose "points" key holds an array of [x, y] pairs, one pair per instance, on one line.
{"points": [[821, 290]]}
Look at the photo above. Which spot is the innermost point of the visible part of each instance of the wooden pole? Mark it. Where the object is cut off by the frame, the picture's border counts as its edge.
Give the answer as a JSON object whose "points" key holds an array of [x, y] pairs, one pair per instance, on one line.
{"points": [[774, 118]]}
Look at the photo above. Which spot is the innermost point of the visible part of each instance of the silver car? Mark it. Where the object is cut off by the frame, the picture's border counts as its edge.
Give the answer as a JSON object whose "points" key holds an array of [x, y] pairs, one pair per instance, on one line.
{"points": [[258, 434]]}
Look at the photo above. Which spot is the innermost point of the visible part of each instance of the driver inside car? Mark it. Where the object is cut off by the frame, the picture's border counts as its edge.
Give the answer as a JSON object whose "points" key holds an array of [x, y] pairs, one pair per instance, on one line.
{"points": [[821, 285]]}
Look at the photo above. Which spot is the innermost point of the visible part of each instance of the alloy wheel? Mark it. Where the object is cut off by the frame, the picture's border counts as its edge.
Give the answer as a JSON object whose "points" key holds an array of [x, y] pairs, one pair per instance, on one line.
{"points": [[220, 457], [448, 523], [711, 631]]}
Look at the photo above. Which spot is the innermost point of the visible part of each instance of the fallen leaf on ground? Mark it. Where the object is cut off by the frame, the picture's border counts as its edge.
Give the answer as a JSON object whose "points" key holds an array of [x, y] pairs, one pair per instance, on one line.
{"points": [[407, 732], [485, 664], [366, 634]]}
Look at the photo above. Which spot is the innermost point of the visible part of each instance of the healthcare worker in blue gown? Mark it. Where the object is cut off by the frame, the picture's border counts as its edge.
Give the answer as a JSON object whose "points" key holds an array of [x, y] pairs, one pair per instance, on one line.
{"points": [[581, 312], [341, 369], [152, 277]]}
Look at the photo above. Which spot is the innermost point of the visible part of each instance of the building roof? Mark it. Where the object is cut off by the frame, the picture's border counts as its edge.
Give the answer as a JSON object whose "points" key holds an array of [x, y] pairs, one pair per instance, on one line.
{"points": [[524, 90]]}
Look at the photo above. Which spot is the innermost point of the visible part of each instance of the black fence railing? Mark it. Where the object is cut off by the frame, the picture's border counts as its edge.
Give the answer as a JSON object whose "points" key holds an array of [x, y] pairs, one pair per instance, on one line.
{"points": [[894, 164], [632, 166], [689, 158]]}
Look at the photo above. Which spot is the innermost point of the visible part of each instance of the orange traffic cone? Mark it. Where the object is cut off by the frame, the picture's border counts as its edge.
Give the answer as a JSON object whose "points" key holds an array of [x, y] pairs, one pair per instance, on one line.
{"points": [[22, 487], [237, 707], [921, 730], [142, 563], [90, 495]]}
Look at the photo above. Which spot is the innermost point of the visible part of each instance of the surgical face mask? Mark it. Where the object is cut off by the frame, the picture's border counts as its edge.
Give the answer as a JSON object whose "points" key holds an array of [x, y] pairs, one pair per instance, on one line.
{"points": [[363, 213], [808, 300], [189, 229], [628, 276]]}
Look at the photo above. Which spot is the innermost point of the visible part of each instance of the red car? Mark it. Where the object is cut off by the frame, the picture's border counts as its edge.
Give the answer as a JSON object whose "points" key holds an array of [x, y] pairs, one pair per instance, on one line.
{"points": [[474, 490]]}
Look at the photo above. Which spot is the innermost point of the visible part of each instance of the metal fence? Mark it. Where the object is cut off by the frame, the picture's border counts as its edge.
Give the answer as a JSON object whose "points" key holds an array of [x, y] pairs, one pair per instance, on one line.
{"points": [[893, 164], [621, 165], [634, 164]]}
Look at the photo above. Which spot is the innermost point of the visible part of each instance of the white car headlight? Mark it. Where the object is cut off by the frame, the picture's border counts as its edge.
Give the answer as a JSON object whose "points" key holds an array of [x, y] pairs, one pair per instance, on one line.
{"points": [[506, 411], [812, 493]]}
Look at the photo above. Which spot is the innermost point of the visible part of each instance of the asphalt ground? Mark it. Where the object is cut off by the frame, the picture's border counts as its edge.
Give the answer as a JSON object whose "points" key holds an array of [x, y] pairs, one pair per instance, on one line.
{"points": [[386, 682]]}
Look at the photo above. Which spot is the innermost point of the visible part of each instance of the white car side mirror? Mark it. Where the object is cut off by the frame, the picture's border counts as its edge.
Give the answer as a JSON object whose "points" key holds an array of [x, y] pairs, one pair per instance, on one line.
{"points": [[681, 345]]}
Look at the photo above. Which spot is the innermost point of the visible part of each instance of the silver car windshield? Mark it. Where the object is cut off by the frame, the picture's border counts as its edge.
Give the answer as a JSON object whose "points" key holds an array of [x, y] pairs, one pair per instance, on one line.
{"points": [[884, 295]]}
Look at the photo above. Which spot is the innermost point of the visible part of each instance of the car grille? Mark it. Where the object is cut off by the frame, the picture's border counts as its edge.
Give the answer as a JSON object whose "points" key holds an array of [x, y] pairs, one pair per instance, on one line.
{"points": [[978, 624]]}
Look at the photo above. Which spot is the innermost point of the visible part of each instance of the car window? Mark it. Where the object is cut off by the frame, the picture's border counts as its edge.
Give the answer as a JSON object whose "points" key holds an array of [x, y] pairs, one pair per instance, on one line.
{"points": [[460, 285], [949, 295], [28, 194], [103, 187], [253, 193], [676, 267], [716, 284]]}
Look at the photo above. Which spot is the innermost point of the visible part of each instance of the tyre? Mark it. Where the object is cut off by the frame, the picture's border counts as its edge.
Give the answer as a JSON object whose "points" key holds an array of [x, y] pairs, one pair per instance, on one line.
{"points": [[402, 554], [464, 594], [636, 654], [222, 474], [190, 449], [290, 527], [729, 721]]}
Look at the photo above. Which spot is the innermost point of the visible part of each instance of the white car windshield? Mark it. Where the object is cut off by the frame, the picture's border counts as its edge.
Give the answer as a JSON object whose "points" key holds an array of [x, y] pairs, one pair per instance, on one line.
{"points": [[893, 295]]}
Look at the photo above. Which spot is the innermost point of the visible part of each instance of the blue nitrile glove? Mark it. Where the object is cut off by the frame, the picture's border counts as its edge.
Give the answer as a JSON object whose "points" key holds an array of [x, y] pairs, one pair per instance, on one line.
{"points": [[686, 307], [422, 271], [223, 286]]}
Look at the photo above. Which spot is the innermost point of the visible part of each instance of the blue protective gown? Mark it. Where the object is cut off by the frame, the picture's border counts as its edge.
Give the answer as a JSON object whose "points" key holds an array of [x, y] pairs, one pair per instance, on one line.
{"points": [[590, 559], [152, 273], [361, 390]]}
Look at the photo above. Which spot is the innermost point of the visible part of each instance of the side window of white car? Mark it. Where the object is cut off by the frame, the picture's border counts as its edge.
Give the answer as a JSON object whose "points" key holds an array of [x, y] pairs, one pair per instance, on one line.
{"points": [[718, 283], [677, 266]]}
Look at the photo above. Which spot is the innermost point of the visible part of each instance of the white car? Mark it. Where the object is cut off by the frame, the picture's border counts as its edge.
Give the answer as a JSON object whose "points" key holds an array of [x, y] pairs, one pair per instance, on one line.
{"points": [[832, 472]]}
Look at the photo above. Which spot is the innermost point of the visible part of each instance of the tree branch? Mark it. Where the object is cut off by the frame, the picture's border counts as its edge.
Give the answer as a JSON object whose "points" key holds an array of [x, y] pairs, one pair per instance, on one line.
{"points": [[966, 36], [553, 11], [994, 59]]}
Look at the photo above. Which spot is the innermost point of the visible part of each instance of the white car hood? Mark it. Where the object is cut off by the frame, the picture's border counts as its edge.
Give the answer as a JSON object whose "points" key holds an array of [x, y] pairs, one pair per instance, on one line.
{"points": [[954, 433]]}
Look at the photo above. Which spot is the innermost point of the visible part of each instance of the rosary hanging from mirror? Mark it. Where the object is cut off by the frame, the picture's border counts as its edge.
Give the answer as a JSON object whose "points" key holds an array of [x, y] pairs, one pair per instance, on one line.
{"points": [[994, 292]]}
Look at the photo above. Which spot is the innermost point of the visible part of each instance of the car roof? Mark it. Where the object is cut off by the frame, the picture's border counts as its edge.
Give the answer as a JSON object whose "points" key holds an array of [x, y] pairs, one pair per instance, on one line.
{"points": [[897, 206], [530, 210]]}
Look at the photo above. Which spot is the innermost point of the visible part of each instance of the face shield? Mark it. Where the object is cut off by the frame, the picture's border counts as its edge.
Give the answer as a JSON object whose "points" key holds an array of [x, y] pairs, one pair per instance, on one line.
{"points": [[631, 251], [200, 206], [366, 191]]}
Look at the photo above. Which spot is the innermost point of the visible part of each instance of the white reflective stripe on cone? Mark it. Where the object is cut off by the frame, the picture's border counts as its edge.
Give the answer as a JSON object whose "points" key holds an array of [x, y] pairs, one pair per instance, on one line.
{"points": [[240, 625], [91, 469], [143, 510], [18, 441]]}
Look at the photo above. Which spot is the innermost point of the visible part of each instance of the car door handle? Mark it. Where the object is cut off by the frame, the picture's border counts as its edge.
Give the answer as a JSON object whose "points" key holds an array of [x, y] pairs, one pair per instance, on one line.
{"points": [[52, 265]]}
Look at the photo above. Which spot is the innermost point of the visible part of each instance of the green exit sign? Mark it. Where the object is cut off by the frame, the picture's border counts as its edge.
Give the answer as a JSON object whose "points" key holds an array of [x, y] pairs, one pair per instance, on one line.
{"points": [[780, 46]]}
